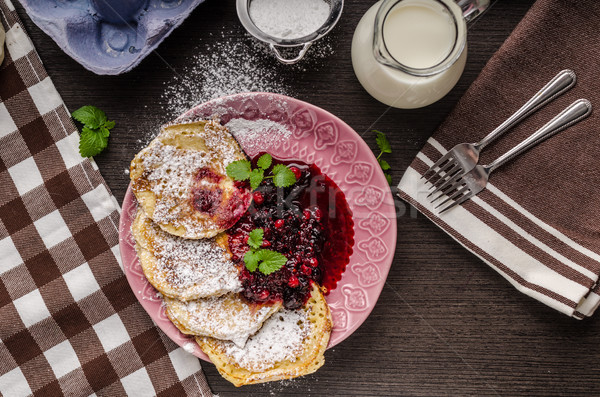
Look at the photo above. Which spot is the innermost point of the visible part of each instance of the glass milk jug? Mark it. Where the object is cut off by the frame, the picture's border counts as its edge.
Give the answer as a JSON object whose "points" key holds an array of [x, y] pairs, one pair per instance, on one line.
{"points": [[410, 53]]}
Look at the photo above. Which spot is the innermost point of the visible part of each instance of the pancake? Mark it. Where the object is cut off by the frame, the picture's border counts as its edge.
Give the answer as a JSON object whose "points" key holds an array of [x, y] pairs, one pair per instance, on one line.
{"points": [[184, 269], [291, 343], [180, 180], [225, 317]]}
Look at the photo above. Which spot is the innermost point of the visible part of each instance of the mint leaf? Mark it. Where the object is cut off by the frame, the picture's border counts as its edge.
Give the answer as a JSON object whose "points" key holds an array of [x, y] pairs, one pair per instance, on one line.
{"points": [[91, 142], [264, 161], [95, 131], [251, 260], [256, 177], [384, 165], [271, 261], [384, 147], [104, 131], [239, 170], [255, 238], [388, 177], [109, 125], [90, 116], [283, 176], [382, 142]]}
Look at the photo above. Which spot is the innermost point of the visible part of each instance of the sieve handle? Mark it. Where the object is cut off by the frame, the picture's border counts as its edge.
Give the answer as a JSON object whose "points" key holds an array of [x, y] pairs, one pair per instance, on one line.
{"points": [[472, 8], [291, 61]]}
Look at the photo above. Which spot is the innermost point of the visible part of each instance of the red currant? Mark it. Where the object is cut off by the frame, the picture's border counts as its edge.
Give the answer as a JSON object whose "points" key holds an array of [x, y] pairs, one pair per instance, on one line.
{"points": [[313, 262], [293, 282], [296, 171], [306, 270], [258, 198], [279, 223], [266, 243], [318, 214], [263, 295], [306, 214]]}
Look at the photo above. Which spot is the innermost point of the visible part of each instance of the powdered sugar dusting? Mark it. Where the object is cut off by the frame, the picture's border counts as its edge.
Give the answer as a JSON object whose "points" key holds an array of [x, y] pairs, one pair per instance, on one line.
{"points": [[281, 338], [189, 347], [237, 63], [226, 152], [170, 173], [219, 69], [258, 135], [193, 268]]}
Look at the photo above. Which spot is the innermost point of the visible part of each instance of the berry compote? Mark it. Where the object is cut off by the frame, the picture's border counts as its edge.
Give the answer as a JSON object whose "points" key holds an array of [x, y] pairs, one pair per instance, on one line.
{"points": [[309, 222]]}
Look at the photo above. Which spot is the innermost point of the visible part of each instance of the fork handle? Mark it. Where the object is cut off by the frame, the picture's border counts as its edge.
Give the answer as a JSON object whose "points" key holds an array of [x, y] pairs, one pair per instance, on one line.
{"points": [[574, 113], [560, 84]]}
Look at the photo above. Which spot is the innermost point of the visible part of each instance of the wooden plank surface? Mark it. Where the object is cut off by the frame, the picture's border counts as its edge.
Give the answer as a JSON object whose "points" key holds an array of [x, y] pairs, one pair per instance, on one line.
{"points": [[445, 323]]}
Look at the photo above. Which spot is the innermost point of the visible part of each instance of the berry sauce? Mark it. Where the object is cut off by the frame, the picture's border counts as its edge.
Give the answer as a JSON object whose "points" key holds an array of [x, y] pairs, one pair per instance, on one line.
{"points": [[309, 222]]}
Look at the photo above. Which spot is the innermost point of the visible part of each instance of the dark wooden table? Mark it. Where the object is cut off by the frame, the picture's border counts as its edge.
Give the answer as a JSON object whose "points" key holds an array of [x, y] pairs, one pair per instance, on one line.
{"points": [[445, 323]]}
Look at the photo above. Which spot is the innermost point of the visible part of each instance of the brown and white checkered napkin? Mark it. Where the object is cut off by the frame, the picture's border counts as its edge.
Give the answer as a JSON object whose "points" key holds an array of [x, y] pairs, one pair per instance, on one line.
{"points": [[537, 222], [70, 324]]}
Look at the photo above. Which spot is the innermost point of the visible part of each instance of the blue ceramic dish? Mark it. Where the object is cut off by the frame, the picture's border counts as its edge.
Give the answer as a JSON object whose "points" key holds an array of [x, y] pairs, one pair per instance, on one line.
{"points": [[108, 36]]}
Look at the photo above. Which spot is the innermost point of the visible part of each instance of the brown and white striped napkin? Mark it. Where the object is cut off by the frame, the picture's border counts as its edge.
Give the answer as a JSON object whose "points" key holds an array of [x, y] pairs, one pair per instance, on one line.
{"points": [[70, 324], [538, 221]]}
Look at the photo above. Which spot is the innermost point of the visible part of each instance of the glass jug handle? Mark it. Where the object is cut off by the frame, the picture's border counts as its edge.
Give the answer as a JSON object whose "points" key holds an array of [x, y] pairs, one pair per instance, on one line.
{"points": [[473, 8]]}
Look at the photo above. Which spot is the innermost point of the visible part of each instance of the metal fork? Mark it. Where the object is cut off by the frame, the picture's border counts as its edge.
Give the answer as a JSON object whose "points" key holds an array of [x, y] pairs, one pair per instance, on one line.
{"points": [[464, 156], [474, 181]]}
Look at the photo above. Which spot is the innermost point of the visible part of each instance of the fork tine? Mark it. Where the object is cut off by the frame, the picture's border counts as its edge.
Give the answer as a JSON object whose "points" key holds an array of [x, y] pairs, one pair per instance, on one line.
{"points": [[448, 190], [456, 168], [436, 198], [447, 183], [455, 195], [458, 202], [445, 169], [449, 166], [452, 190], [449, 161], [457, 184], [436, 164]]}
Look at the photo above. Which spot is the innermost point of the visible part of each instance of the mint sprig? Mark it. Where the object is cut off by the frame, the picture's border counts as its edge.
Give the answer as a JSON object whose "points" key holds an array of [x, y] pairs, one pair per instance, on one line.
{"points": [[241, 170], [384, 147], [95, 131], [265, 260]]}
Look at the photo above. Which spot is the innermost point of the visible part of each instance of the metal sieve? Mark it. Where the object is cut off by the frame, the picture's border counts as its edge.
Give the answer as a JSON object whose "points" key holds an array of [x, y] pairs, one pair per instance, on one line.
{"points": [[335, 11]]}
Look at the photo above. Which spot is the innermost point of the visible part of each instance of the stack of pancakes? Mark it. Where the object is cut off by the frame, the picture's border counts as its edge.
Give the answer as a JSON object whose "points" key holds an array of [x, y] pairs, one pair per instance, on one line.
{"points": [[186, 202]]}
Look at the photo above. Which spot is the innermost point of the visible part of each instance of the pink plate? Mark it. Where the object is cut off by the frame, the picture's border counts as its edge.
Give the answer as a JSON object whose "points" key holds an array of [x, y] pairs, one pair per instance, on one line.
{"points": [[316, 137]]}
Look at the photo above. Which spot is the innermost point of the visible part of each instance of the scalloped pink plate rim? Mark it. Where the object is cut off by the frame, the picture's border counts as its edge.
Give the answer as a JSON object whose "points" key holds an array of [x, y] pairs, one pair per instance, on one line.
{"points": [[317, 137]]}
